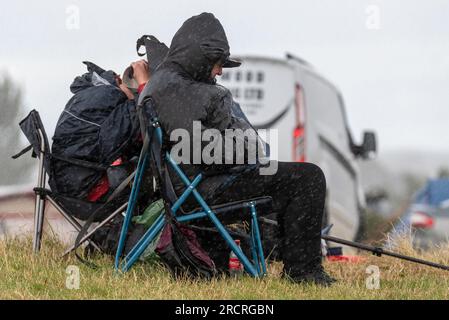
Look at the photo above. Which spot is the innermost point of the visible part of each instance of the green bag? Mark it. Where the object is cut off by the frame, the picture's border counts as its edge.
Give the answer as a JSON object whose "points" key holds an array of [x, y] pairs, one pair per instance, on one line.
{"points": [[150, 214], [147, 218]]}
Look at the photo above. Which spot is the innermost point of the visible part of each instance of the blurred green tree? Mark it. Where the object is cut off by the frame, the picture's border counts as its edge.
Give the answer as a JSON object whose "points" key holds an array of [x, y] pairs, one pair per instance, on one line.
{"points": [[11, 112], [443, 172]]}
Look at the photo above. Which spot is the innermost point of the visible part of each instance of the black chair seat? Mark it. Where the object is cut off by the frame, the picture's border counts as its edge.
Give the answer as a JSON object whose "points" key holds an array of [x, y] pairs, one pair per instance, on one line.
{"points": [[82, 210]]}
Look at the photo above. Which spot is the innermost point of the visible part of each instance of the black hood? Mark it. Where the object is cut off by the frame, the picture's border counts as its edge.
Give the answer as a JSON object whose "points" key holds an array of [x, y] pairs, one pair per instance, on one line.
{"points": [[198, 45]]}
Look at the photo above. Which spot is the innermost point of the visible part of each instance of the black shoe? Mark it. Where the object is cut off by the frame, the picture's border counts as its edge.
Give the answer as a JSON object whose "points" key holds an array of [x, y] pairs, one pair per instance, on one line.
{"points": [[319, 278]]}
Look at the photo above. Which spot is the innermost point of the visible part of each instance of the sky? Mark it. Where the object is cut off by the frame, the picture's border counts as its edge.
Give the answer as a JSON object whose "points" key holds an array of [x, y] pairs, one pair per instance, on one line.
{"points": [[390, 59]]}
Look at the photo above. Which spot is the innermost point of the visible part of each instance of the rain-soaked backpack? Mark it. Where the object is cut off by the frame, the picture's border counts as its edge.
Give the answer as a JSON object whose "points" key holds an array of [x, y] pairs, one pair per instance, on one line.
{"points": [[182, 253], [154, 49]]}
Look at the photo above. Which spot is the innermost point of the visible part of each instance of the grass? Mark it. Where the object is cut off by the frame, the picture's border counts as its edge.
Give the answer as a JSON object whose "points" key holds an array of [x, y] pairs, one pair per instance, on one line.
{"points": [[24, 275]]}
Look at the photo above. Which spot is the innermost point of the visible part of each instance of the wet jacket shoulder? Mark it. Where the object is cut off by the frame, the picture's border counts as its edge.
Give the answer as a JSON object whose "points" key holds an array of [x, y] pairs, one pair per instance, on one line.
{"points": [[180, 101]]}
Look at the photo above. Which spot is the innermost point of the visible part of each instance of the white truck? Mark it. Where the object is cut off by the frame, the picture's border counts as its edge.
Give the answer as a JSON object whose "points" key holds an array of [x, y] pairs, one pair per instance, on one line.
{"points": [[308, 112]]}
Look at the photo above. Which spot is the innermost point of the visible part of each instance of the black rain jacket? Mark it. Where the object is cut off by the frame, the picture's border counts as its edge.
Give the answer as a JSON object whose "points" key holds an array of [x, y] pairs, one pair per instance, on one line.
{"points": [[183, 93], [99, 124]]}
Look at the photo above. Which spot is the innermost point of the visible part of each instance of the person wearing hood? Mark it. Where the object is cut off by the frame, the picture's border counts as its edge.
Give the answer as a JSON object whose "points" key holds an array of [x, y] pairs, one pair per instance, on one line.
{"points": [[99, 124], [184, 91]]}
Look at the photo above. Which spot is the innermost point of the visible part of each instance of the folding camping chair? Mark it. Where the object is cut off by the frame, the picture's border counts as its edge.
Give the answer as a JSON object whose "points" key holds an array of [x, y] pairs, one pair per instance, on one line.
{"points": [[151, 151], [68, 207]]}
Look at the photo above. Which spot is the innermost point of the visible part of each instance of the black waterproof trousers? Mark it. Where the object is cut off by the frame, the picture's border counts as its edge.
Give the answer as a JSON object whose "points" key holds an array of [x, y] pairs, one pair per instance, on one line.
{"points": [[298, 191]]}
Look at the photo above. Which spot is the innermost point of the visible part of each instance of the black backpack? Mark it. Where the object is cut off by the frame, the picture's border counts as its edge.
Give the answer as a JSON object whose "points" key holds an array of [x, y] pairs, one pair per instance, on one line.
{"points": [[180, 250]]}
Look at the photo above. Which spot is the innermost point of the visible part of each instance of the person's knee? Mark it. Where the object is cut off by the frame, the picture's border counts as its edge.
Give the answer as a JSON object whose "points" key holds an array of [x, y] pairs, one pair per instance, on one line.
{"points": [[313, 173], [303, 177], [318, 174]]}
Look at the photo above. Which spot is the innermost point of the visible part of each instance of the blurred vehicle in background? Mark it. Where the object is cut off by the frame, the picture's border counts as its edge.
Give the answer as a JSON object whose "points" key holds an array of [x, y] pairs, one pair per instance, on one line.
{"points": [[428, 216], [309, 114]]}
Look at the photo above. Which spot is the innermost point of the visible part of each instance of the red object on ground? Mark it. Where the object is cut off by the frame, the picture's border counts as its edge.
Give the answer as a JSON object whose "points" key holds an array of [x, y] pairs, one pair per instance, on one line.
{"points": [[234, 263], [343, 258]]}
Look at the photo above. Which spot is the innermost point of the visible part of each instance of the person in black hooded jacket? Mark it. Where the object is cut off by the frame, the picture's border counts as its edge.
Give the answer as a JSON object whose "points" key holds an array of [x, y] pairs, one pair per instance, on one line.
{"points": [[184, 90], [99, 124]]}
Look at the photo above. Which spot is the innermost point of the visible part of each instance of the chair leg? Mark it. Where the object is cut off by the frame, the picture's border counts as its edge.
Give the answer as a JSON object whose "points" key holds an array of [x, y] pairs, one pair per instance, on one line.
{"points": [[148, 237], [39, 207], [143, 243], [143, 161], [38, 222], [249, 267], [253, 248], [255, 232]]}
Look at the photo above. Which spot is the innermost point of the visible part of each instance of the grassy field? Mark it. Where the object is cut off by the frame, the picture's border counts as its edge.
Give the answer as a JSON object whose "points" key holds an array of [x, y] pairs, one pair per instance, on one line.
{"points": [[24, 275]]}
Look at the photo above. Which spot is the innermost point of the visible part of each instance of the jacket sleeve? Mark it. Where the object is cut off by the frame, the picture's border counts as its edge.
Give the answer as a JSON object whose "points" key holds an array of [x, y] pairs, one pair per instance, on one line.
{"points": [[237, 136], [119, 133]]}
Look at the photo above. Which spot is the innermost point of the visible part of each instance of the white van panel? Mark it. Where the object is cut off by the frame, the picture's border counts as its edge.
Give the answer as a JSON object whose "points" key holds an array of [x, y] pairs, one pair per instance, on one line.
{"points": [[323, 106], [265, 90], [327, 145]]}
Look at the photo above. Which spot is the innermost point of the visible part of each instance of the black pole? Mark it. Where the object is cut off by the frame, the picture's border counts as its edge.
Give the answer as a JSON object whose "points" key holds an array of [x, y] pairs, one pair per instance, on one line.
{"points": [[377, 251]]}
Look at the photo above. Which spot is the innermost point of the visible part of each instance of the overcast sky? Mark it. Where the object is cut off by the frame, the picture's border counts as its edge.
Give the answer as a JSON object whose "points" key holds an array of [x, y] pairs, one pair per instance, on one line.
{"points": [[389, 58]]}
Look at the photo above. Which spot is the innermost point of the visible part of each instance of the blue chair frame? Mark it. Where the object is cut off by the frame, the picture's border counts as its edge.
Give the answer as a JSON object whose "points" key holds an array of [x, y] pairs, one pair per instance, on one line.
{"points": [[256, 268]]}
